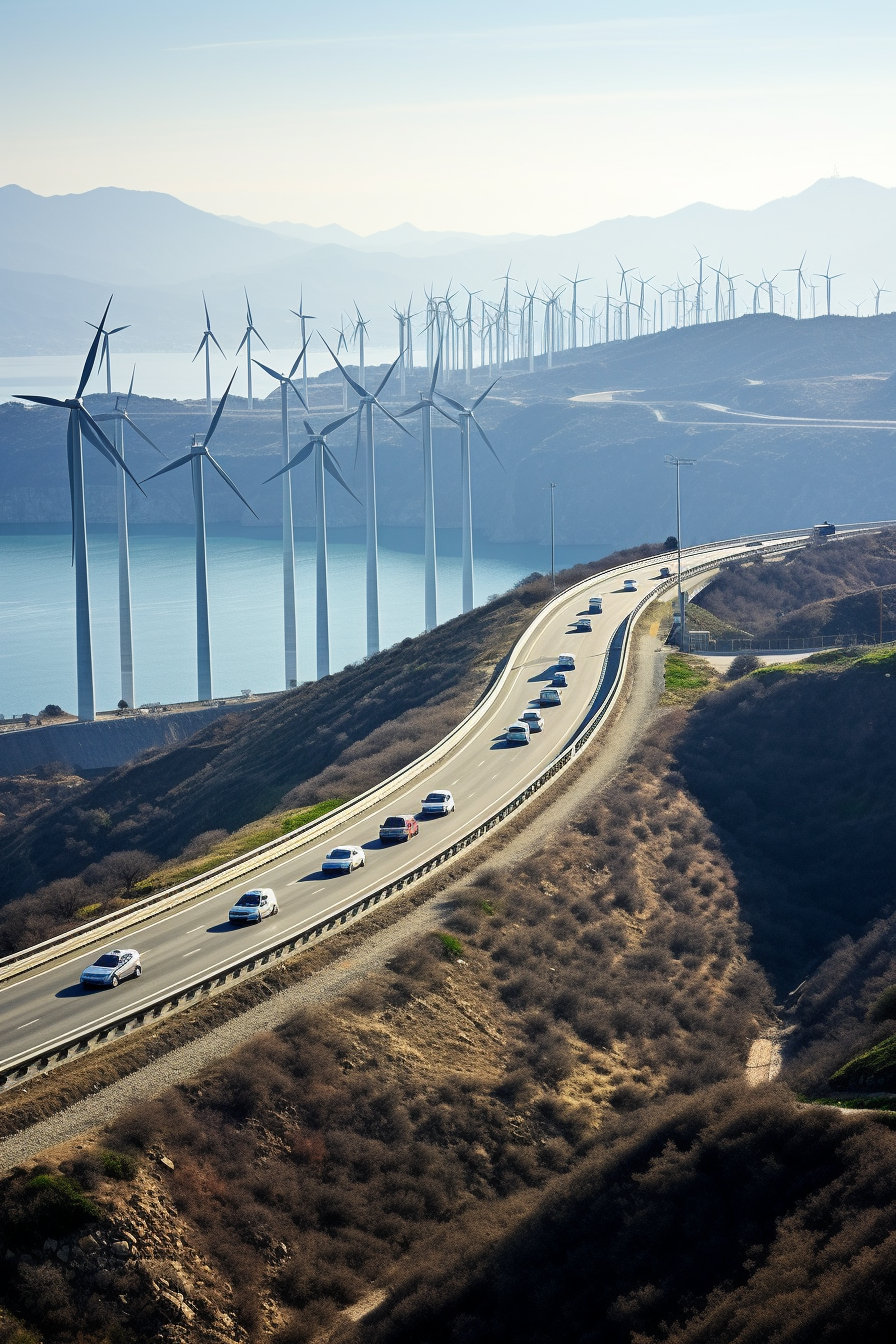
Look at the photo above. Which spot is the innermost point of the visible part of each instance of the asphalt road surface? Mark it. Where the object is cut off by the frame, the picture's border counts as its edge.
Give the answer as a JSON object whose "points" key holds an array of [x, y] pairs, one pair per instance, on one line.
{"points": [[38, 1010]]}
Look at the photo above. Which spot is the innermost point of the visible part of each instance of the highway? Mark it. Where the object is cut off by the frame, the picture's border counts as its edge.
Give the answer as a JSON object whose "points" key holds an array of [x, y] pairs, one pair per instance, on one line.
{"points": [[40, 1009]]}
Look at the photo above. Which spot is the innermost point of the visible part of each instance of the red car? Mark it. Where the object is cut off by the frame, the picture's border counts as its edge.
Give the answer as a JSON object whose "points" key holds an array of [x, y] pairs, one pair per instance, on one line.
{"points": [[398, 828]]}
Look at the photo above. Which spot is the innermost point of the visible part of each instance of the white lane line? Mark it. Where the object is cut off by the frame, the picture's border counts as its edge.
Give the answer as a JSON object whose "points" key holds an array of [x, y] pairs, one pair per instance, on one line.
{"points": [[193, 953], [200, 928], [28, 1024]]}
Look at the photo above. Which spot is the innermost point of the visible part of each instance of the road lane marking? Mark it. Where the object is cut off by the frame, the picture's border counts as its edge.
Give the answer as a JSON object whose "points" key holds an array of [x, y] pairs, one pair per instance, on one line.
{"points": [[200, 928], [28, 1024], [193, 953]]}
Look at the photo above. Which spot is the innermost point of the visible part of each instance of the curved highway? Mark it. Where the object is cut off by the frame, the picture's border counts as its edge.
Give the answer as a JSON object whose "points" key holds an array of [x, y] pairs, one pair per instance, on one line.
{"points": [[38, 1010]]}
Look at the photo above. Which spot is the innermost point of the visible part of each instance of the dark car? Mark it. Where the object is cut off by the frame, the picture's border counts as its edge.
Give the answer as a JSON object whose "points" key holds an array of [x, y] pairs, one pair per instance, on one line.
{"points": [[558, 679], [399, 828]]}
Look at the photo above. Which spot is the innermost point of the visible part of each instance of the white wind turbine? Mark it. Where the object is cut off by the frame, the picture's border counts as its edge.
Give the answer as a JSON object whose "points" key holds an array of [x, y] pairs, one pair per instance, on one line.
{"points": [[701, 260], [359, 331], [324, 462], [105, 355], [303, 318], [82, 425], [290, 654], [877, 290], [205, 344], [465, 419], [770, 284], [120, 418], [827, 277], [426, 406], [247, 342], [800, 284], [366, 404], [575, 282], [197, 457]]}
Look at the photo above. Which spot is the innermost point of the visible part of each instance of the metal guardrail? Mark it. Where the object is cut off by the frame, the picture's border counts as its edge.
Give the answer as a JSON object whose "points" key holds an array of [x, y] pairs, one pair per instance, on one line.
{"points": [[19, 1068]]}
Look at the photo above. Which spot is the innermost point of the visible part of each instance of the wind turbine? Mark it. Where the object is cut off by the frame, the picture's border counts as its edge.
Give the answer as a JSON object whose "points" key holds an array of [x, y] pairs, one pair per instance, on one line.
{"points": [[289, 547], [104, 353], [82, 425], [247, 342], [877, 290], [324, 462], [624, 273], [426, 406], [504, 316], [800, 282], [197, 457], [826, 276], [208, 336], [465, 419], [575, 282], [120, 418], [771, 289], [342, 344], [367, 402], [303, 318], [755, 286], [359, 331], [701, 260]]}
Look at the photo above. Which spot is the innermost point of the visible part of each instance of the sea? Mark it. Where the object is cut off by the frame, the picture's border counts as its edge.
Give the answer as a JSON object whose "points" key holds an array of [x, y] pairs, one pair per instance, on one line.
{"points": [[37, 606]]}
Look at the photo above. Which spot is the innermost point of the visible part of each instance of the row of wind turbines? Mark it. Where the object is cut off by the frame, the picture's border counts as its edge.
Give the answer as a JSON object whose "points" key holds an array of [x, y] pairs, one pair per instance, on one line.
{"points": [[84, 426]]}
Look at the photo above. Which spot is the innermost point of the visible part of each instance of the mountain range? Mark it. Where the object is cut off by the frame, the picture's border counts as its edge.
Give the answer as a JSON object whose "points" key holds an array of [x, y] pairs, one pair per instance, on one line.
{"points": [[61, 256]]}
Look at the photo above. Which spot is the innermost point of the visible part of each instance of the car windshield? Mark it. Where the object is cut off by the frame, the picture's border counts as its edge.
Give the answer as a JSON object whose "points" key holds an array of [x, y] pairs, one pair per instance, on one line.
{"points": [[107, 959], [251, 898], [435, 797], [392, 822], [340, 854]]}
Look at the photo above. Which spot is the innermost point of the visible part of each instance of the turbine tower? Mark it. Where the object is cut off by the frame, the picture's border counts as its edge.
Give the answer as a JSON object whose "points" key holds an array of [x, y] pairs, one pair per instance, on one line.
{"points": [[575, 282], [197, 457], [800, 284], [465, 419], [359, 331], [120, 418], [303, 318], [204, 344], [290, 657], [81, 426], [426, 406], [366, 403], [247, 342], [324, 462], [701, 260]]}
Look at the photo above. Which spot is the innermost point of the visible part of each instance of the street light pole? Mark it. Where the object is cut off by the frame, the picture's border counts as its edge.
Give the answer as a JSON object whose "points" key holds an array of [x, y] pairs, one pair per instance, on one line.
{"points": [[678, 463], [553, 574]]}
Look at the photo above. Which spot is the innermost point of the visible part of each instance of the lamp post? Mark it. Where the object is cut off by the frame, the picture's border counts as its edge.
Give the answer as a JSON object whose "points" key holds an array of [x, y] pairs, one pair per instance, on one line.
{"points": [[553, 575], [678, 463]]}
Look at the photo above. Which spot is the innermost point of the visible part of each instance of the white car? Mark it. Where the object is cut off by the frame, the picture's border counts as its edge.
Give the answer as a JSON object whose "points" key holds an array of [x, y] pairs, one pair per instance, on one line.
{"points": [[533, 718], [630, 586], [566, 662], [111, 968], [254, 906], [438, 803], [517, 734], [345, 859], [596, 604]]}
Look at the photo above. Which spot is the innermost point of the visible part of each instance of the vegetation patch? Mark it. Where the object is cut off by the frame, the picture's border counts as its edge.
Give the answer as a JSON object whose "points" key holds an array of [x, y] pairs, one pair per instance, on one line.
{"points": [[686, 679], [872, 1071]]}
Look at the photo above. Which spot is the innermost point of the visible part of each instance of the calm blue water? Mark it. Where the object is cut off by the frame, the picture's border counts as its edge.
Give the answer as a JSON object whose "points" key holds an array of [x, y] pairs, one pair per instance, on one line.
{"points": [[37, 615]]}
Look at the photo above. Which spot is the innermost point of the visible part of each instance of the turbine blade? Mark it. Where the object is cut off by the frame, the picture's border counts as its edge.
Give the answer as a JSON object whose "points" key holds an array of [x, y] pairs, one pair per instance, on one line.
{"points": [[242, 342], [298, 393], [334, 424], [263, 341], [389, 416], [201, 347], [43, 401], [451, 402], [144, 437], [332, 466], [70, 455], [215, 339], [217, 415], [223, 474], [435, 372], [278, 377], [309, 429], [486, 441], [357, 443], [482, 398], [91, 353], [205, 306], [299, 357], [420, 406], [130, 388], [445, 414], [356, 387], [172, 466], [91, 430], [392, 368], [293, 462]]}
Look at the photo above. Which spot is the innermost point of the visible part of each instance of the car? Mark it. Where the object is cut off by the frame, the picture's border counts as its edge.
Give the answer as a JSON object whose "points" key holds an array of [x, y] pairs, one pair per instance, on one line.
{"points": [[549, 696], [517, 734], [109, 969], [344, 859], [438, 803], [583, 624], [596, 604], [559, 679], [534, 720], [566, 662], [665, 572], [630, 586], [254, 906], [399, 828]]}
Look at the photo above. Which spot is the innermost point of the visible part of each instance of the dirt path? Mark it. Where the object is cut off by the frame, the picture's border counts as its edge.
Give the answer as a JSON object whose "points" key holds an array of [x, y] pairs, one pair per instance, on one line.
{"points": [[609, 754], [764, 1059]]}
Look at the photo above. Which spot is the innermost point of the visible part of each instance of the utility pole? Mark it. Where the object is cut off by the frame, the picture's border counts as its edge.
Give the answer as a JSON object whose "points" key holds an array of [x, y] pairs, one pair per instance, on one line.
{"points": [[553, 572], [678, 463]]}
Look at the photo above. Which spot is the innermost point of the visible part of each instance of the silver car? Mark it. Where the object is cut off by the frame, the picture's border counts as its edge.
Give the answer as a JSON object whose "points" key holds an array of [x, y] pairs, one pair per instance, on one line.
{"points": [[534, 720], [438, 803], [111, 968], [345, 859], [254, 906], [517, 734]]}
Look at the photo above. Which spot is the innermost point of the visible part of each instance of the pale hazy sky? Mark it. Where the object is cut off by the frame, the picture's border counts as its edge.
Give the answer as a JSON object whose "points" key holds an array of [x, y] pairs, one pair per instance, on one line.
{"points": [[493, 116]]}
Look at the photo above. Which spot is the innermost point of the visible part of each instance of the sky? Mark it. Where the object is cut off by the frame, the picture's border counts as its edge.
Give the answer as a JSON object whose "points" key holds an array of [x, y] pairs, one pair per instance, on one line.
{"points": [[490, 117]]}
